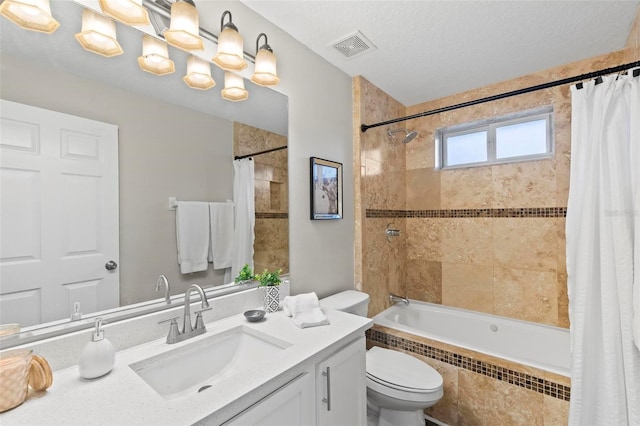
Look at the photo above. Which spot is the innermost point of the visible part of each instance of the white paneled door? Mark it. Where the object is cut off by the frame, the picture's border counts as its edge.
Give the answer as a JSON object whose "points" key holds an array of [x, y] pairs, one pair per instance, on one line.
{"points": [[58, 215]]}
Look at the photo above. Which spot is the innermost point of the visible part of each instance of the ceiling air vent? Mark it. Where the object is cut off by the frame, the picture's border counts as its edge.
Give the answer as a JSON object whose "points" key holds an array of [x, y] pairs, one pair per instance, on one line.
{"points": [[353, 45]]}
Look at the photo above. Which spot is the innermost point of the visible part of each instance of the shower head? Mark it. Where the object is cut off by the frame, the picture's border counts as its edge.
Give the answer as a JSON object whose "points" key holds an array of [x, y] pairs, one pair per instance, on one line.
{"points": [[408, 136]]}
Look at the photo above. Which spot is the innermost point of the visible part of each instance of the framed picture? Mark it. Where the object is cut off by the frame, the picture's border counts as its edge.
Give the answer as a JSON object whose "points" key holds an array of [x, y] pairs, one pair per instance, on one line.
{"points": [[326, 189]]}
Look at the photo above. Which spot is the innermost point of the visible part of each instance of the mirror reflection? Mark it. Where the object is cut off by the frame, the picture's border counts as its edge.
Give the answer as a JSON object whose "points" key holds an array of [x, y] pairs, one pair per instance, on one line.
{"points": [[171, 141]]}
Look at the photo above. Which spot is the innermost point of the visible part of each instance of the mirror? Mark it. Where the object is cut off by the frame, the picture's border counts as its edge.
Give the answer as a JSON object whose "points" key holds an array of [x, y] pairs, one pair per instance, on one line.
{"points": [[174, 141]]}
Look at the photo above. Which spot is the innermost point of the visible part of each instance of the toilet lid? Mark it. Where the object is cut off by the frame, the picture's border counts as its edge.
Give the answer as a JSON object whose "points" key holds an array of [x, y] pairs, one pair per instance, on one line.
{"points": [[401, 371]]}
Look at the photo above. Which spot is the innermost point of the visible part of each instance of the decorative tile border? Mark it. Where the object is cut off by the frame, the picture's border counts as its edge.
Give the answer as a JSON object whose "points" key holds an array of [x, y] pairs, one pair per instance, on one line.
{"points": [[456, 213], [526, 381], [272, 215]]}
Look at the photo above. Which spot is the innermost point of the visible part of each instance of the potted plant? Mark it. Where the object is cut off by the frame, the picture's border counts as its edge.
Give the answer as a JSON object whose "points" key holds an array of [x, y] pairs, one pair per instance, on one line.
{"points": [[270, 281], [246, 274]]}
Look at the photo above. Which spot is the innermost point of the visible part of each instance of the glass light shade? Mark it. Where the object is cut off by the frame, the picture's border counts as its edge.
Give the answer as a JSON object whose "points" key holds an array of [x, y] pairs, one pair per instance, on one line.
{"points": [[198, 74], [184, 29], [234, 87], [32, 15], [265, 73], [98, 34], [128, 12], [155, 56], [230, 55]]}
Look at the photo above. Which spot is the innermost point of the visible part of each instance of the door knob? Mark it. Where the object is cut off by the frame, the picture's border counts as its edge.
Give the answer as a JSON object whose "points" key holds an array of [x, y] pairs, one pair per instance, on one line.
{"points": [[111, 265]]}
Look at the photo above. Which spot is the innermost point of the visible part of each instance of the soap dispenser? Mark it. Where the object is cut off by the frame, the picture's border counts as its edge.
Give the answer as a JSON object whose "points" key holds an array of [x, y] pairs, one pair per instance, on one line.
{"points": [[98, 357]]}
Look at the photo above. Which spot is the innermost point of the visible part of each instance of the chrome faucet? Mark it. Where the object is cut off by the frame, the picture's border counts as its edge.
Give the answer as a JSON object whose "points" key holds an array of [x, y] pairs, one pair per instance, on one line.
{"points": [[162, 279], [188, 330], [398, 299]]}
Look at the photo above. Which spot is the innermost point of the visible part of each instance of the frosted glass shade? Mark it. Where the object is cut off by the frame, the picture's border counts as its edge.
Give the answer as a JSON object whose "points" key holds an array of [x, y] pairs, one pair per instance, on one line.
{"points": [[234, 88], [230, 55], [128, 12], [198, 74], [155, 56], [98, 34], [184, 29], [32, 15], [265, 73]]}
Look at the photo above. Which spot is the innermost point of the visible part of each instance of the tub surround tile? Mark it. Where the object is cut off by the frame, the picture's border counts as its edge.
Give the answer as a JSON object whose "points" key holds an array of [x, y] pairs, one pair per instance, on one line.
{"points": [[530, 378], [424, 281], [527, 295], [457, 292], [466, 240], [423, 189], [556, 411], [466, 188], [486, 401], [525, 244], [518, 212], [524, 184], [424, 239]]}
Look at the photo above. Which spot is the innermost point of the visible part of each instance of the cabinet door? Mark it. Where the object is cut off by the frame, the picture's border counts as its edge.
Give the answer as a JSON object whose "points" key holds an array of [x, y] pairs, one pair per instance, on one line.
{"points": [[291, 405], [342, 387]]}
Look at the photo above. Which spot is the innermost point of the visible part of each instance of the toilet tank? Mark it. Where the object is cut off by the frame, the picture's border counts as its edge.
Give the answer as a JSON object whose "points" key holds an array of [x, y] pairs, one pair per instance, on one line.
{"points": [[351, 301]]}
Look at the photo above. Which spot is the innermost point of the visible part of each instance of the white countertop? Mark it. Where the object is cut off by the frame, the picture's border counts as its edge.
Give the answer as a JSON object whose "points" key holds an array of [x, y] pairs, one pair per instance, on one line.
{"points": [[123, 398]]}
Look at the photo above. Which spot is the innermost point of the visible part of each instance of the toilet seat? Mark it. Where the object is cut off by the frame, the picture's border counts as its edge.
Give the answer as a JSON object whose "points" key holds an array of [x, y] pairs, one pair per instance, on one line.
{"points": [[395, 370]]}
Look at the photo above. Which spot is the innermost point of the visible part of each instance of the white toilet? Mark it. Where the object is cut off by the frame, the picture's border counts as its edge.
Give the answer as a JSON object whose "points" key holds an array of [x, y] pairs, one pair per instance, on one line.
{"points": [[399, 386]]}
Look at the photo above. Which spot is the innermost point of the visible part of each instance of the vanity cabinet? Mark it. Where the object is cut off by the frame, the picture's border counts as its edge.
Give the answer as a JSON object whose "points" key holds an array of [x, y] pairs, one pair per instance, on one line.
{"points": [[333, 392], [341, 387], [292, 404]]}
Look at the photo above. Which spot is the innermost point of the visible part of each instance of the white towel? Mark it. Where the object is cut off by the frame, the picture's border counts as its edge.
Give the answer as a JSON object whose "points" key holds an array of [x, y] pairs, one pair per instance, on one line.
{"points": [[310, 318], [305, 310], [192, 234], [300, 303], [222, 231]]}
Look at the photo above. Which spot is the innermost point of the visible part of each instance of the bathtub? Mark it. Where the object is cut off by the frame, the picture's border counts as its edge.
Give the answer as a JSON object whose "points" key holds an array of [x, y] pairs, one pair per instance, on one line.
{"points": [[530, 344]]}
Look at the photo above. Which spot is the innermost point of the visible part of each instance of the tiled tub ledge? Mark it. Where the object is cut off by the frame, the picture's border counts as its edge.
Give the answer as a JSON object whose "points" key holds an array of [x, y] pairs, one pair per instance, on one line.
{"points": [[538, 381]]}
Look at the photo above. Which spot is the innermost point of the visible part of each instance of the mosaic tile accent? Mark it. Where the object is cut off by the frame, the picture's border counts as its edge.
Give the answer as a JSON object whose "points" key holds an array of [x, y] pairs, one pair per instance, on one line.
{"points": [[526, 381], [457, 213], [272, 215]]}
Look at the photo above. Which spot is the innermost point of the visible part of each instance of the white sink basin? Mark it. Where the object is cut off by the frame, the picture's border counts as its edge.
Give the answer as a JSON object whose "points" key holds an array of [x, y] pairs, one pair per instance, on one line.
{"points": [[198, 366]]}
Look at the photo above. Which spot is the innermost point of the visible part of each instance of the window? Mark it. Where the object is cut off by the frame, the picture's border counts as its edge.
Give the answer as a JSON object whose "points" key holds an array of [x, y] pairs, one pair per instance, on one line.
{"points": [[517, 137]]}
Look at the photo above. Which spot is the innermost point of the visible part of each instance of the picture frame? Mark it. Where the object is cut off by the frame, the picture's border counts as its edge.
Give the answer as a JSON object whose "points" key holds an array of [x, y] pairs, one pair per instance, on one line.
{"points": [[326, 189]]}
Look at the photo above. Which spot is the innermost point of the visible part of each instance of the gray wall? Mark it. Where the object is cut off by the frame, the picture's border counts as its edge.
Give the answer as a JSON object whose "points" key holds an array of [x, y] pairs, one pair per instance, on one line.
{"points": [[164, 150], [320, 125]]}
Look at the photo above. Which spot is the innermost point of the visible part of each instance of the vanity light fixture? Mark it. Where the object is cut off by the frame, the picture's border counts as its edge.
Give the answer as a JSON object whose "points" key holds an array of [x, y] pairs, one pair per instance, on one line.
{"points": [[230, 55], [128, 12], [265, 73], [155, 56], [184, 28], [198, 74], [98, 34], [34, 15], [234, 87]]}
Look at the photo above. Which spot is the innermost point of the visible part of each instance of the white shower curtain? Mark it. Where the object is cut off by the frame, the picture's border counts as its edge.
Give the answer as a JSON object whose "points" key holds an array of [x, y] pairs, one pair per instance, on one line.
{"points": [[603, 252], [243, 193]]}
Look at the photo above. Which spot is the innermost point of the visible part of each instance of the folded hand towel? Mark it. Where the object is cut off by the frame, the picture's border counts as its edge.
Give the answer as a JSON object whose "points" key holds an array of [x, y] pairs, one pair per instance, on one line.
{"points": [[300, 303], [192, 234], [310, 318], [222, 231]]}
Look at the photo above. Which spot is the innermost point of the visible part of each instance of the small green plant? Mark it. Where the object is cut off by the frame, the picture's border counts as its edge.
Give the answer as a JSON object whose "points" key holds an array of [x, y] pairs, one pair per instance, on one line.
{"points": [[267, 278], [246, 274]]}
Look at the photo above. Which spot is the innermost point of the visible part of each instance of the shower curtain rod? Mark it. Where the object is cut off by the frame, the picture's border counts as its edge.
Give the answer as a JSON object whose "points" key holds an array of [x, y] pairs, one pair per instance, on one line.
{"points": [[587, 76], [240, 157]]}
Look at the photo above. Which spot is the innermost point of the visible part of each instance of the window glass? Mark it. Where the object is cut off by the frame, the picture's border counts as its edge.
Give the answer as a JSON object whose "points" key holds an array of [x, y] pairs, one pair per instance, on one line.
{"points": [[521, 139], [467, 148]]}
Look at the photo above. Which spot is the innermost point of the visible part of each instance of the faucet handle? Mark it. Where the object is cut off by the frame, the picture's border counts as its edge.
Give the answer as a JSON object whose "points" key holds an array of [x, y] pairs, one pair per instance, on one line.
{"points": [[199, 319], [174, 332]]}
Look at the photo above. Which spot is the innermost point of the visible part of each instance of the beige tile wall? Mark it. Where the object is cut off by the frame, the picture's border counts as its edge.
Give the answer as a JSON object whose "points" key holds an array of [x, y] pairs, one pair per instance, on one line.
{"points": [[271, 244], [380, 184], [513, 267]]}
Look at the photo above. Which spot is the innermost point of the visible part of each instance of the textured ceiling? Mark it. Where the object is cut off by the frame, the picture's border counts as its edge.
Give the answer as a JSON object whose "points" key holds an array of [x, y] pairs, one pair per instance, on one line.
{"points": [[430, 49]]}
